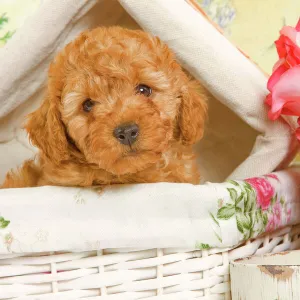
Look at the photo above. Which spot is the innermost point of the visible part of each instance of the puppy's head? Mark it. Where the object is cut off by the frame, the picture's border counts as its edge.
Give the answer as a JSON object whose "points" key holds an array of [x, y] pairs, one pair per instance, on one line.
{"points": [[116, 99]]}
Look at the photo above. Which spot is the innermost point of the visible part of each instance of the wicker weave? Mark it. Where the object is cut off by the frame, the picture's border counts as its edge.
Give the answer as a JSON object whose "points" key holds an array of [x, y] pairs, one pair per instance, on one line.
{"points": [[132, 274]]}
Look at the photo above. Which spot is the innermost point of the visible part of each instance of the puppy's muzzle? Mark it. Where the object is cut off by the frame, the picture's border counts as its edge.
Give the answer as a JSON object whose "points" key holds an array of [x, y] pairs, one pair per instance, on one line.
{"points": [[127, 134]]}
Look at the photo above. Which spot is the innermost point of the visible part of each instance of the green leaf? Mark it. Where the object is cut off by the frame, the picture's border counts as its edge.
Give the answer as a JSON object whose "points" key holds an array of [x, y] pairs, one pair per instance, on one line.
{"points": [[3, 223], [239, 225], [214, 219], [282, 201], [244, 221], [7, 36], [3, 19], [233, 182], [248, 186], [233, 194], [250, 202], [218, 237], [240, 198], [265, 219], [251, 233], [226, 212], [257, 216], [273, 200], [251, 220], [202, 246], [238, 210]]}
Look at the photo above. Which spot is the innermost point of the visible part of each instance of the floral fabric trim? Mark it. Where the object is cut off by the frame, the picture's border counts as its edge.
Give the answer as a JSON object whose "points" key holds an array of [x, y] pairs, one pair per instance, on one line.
{"points": [[8, 34], [147, 215], [13, 14], [221, 12], [255, 205]]}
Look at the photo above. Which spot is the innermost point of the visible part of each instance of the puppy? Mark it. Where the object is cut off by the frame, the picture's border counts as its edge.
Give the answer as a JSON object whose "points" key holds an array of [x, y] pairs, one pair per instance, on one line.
{"points": [[118, 109]]}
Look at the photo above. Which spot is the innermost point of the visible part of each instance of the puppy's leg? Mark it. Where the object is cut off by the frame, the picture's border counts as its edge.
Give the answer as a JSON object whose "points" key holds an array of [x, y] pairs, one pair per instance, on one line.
{"points": [[25, 176]]}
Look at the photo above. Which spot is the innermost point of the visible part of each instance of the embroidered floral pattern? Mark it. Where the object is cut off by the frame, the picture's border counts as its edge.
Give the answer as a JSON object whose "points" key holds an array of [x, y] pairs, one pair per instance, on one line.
{"points": [[7, 237], [221, 12], [8, 34], [8, 240], [42, 236], [78, 198], [202, 246], [3, 223], [234, 212], [264, 191], [255, 205]]}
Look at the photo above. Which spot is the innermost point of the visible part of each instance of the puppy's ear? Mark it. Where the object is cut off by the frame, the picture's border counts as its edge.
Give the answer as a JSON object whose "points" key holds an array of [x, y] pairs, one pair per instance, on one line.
{"points": [[193, 112], [47, 132]]}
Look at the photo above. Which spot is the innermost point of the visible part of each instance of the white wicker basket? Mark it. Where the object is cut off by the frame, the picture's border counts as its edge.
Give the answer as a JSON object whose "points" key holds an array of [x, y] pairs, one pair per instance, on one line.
{"points": [[47, 225], [131, 274]]}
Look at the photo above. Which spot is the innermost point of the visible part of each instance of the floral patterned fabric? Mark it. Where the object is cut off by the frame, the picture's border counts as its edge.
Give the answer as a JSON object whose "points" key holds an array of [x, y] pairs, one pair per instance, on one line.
{"points": [[13, 14], [164, 215], [255, 205], [148, 215], [253, 25]]}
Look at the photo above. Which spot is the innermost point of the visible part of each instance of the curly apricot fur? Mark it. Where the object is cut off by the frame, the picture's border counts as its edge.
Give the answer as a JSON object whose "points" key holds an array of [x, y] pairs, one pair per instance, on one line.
{"points": [[77, 148]]}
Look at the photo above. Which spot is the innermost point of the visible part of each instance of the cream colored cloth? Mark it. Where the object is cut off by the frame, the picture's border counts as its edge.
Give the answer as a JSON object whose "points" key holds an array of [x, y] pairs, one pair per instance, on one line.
{"points": [[147, 215], [228, 75], [44, 219], [239, 139]]}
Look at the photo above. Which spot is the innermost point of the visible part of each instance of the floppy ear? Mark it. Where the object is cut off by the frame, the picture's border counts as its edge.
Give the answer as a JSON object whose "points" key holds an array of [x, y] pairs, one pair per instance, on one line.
{"points": [[193, 113], [47, 132]]}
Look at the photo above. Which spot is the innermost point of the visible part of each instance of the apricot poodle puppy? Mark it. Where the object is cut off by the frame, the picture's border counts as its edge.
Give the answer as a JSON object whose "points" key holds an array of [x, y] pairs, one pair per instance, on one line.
{"points": [[118, 109]]}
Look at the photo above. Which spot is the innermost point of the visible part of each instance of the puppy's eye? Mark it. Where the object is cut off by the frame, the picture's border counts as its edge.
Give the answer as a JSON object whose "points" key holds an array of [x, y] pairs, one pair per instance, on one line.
{"points": [[88, 105], [144, 90]]}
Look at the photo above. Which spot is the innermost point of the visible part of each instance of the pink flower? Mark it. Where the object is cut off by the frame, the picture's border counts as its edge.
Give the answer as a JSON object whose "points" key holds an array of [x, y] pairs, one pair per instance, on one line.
{"points": [[220, 203], [274, 176], [284, 83], [288, 211], [277, 211], [271, 224], [288, 51], [8, 238], [274, 220], [285, 94], [264, 191]]}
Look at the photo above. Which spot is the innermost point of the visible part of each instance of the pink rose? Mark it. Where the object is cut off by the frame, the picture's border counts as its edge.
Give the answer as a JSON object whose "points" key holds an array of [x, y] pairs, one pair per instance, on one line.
{"points": [[274, 176], [288, 51], [271, 224], [284, 83], [264, 191], [288, 211], [277, 211], [285, 94], [274, 220]]}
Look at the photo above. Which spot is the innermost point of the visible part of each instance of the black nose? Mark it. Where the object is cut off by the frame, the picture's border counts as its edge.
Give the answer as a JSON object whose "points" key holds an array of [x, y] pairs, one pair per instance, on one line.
{"points": [[127, 134]]}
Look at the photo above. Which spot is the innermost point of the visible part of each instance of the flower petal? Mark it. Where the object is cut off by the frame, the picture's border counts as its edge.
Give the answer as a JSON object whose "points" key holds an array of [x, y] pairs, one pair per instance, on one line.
{"points": [[298, 25], [297, 132], [286, 94], [276, 76], [298, 39], [275, 112], [280, 62], [289, 32], [268, 99]]}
